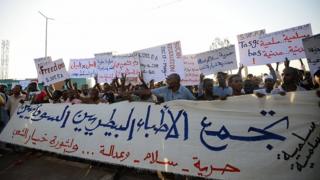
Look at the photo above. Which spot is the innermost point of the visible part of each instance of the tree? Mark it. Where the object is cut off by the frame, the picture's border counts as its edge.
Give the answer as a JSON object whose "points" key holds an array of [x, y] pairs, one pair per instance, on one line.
{"points": [[219, 43]]}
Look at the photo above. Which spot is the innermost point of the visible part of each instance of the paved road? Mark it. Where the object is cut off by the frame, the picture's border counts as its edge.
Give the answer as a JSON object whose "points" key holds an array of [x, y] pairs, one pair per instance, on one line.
{"points": [[34, 165]]}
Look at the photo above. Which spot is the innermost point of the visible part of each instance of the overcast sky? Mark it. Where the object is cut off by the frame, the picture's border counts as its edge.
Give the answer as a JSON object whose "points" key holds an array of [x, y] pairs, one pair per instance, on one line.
{"points": [[82, 28]]}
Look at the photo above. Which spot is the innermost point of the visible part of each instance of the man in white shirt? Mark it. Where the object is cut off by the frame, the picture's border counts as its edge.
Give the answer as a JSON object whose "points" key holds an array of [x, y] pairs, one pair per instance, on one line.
{"points": [[15, 99]]}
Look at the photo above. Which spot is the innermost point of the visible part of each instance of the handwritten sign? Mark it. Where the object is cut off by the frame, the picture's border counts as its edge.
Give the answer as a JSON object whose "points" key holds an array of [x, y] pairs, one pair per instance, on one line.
{"points": [[159, 62], [270, 138], [191, 71], [249, 49], [277, 46], [82, 68], [105, 67], [311, 46], [41, 62], [174, 63], [222, 59], [53, 72], [126, 64], [151, 64]]}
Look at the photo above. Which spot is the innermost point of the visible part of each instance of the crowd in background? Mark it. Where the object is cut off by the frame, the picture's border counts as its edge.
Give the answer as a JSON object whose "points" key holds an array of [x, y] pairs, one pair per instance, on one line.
{"points": [[224, 86]]}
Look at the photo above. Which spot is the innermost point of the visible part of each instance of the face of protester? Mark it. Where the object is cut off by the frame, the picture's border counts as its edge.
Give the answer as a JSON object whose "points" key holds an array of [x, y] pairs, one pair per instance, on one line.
{"points": [[2, 88], [72, 94], [289, 76], [317, 79], [173, 82], [32, 87], [269, 83], [208, 86], [221, 79], [94, 94], [56, 95], [85, 89], [16, 90], [106, 87], [236, 83]]}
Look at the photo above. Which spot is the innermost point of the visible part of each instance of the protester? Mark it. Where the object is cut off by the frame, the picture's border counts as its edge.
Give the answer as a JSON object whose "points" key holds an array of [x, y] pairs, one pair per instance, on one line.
{"points": [[317, 79], [3, 112], [235, 82], [2, 105], [15, 100], [107, 93], [173, 91], [93, 97], [290, 80], [73, 97], [208, 91], [222, 90], [307, 82]]}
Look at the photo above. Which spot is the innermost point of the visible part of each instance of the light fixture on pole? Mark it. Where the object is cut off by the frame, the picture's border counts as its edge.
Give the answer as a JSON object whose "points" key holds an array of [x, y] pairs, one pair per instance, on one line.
{"points": [[46, 39]]}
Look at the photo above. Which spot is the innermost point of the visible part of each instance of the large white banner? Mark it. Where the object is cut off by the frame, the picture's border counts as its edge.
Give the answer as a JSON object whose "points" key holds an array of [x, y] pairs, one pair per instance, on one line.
{"points": [[105, 67], [311, 46], [245, 137], [277, 46], [53, 72], [191, 71], [41, 62], [159, 62], [82, 68], [222, 59]]}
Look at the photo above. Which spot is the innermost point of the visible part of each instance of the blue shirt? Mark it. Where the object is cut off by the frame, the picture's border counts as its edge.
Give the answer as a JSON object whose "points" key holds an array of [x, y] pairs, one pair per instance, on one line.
{"points": [[219, 91], [168, 95]]}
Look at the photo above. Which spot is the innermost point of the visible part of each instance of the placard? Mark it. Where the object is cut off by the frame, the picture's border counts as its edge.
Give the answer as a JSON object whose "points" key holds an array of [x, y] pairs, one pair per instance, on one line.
{"points": [[222, 59], [82, 68], [105, 67], [312, 50], [191, 71], [53, 72]]}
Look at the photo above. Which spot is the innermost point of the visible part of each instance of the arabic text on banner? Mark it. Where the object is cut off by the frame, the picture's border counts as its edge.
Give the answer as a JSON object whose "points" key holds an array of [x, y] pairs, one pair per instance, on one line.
{"points": [[245, 137]]}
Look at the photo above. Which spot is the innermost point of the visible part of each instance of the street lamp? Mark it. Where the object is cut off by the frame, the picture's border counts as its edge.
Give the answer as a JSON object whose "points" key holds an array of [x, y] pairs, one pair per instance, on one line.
{"points": [[47, 18]]}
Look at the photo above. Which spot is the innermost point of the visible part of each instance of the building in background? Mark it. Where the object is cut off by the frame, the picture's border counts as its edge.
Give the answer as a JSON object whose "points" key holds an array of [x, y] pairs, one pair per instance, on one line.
{"points": [[4, 59]]}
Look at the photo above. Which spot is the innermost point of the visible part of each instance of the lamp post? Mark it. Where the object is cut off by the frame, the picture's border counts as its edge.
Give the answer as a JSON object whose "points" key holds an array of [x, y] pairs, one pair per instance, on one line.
{"points": [[46, 39]]}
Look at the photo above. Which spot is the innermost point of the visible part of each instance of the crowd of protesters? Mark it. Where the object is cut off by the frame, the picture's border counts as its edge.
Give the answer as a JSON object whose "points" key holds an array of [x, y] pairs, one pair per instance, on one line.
{"points": [[274, 82], [224, 86]]}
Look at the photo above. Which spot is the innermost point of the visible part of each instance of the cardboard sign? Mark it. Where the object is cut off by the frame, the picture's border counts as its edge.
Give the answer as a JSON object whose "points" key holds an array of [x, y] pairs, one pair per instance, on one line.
{"points": [[191, 71], [277, 46], [159, 62], [53, 72], [105, 67], [126, 64], [82, 68], [41, 62], [222, 59], [249, 49]]}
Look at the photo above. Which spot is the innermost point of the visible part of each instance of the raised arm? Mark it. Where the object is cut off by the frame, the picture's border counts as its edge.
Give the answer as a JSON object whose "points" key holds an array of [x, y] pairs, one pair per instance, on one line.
{"points": [[272, 72]]}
